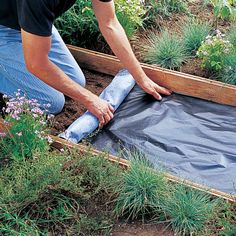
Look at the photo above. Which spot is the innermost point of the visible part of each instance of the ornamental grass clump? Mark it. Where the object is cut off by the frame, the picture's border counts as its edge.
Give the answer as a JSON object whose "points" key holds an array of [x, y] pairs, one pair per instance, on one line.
{"points": [[194, 32], [140, 191], [188, 210], [213, 51], [166, 50], [26, 126], [228, 75]]}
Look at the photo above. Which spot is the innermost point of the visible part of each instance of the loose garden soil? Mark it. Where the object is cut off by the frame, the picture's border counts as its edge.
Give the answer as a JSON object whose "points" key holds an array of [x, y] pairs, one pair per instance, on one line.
{"points": [[136, 228]]}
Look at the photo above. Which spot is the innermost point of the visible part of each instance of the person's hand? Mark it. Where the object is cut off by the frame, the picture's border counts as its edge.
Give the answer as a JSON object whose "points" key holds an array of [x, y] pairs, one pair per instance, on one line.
{"points": [[101, 109], [154, 89]]}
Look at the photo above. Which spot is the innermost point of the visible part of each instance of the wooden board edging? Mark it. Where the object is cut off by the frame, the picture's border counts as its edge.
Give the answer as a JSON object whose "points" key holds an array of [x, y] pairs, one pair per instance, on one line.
{"points": [[61, 143], [176, 81]]}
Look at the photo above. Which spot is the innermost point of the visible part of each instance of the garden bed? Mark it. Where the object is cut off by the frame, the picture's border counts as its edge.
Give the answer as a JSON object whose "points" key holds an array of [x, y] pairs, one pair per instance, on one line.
{"points": [[71, 112], [188, 23], [178, 82]]}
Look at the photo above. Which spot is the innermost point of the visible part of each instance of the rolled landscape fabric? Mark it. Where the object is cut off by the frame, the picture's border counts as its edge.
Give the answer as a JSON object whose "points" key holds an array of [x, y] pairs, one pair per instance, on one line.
{"points": [[115, 93]]}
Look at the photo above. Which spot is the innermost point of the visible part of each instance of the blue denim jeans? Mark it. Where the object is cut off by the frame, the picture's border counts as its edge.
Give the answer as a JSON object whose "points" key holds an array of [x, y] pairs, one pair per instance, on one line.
{"points": [[14, 74]]}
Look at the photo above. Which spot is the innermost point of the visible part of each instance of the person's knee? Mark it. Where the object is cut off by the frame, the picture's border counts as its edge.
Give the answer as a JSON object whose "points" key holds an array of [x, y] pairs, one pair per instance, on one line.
{"points": [[57, 103]]}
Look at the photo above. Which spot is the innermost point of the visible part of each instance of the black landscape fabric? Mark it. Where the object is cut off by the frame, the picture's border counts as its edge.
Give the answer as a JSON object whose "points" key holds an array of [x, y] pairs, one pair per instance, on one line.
{"points": [[188, 137]]}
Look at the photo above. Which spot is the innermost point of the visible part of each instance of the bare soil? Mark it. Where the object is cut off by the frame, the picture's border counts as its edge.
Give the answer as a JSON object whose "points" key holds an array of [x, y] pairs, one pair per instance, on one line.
{"points": [[139, 229]]}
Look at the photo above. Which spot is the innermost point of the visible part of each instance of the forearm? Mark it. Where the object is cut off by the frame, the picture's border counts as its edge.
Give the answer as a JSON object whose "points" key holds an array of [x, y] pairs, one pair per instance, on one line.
{"points": [[56, 78], [117, 39]]}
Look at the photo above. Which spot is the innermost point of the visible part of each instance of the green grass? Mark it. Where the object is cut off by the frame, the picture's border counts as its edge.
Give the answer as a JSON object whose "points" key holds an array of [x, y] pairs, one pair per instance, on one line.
{"points": [[140, 191], [228, 75], [226, 219], [194, 33], [189, 210], [52, 191], [231, 35], [166, 50]]}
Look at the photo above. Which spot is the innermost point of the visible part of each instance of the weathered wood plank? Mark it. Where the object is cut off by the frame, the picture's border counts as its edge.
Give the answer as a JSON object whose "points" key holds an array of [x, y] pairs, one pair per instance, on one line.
{"points": [[176, 81]]}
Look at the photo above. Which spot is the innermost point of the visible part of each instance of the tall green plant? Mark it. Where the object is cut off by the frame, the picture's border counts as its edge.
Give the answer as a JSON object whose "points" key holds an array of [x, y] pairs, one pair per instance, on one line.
{"points": [[78, 24], [228, 75]]}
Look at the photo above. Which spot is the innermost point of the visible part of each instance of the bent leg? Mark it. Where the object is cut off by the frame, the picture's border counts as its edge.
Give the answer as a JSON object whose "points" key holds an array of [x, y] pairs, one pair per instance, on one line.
{"points": [[14, 74], [61, 56]]}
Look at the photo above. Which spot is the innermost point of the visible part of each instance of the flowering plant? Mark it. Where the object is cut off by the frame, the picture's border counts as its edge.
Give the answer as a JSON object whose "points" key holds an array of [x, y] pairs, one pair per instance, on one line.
{"points": [[213, 51], [26, 124], [133, 9]]}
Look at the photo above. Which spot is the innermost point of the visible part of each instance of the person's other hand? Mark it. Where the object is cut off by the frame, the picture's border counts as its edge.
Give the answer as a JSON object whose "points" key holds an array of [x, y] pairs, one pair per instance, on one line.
{"points": [[101, 109], [154, 89]]}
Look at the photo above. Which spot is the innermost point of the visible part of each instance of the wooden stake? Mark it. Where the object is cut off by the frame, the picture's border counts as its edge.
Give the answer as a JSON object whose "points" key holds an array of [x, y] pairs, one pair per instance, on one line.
{"points": [[176, 81]]}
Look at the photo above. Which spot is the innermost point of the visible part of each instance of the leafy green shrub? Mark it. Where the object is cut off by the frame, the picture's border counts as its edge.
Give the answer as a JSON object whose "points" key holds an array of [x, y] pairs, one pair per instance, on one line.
{"points": [[79, 25], [133, 10], [231, 35], [164, 8], [194, 32], [224, 9], [26, 132], [189, 210], [166, 50], [140, 191], [213, 51]]}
